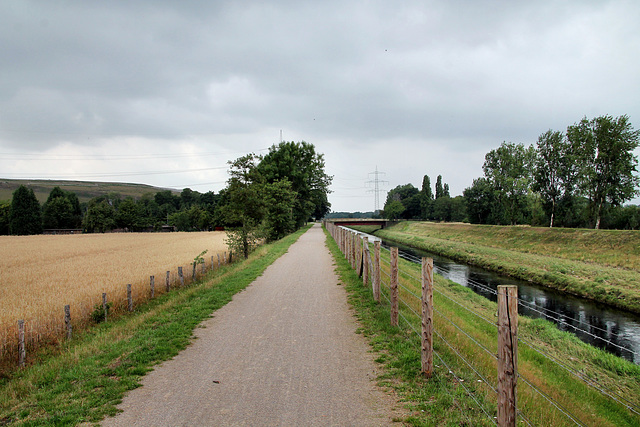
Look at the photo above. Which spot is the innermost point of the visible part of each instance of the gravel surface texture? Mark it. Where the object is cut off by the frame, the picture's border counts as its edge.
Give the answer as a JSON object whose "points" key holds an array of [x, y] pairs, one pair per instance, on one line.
{"points": [[284, 352]]}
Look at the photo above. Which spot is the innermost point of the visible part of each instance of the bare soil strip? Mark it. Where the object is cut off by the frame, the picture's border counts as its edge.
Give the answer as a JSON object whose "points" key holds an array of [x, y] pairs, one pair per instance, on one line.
{"points": [[284, 352]]}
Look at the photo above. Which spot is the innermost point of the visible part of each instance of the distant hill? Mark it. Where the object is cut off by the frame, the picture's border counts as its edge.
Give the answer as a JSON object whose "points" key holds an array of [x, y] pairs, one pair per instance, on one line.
{"points": [[85, 190]]}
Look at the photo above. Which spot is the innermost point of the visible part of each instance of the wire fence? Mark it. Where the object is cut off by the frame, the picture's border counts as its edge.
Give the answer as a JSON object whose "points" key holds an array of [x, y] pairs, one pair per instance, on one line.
{"points": [[466, 332]]}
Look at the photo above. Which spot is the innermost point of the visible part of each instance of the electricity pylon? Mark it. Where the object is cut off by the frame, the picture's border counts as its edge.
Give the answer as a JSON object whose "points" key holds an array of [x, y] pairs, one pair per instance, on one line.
{"points": [[376, 181]]}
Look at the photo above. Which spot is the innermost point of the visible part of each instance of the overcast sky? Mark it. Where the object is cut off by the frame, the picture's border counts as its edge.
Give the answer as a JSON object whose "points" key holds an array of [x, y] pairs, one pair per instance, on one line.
{"points": [[166, 92]]}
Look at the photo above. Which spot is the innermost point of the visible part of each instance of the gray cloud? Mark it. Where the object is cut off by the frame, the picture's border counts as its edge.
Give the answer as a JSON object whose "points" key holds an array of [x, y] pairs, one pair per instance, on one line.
{"points": [[416, 88]]}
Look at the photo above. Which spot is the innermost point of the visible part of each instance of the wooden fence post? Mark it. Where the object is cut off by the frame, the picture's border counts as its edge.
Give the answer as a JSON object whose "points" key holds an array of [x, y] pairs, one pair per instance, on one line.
{"points": [[393, 286], [22, 352], [181, 276], [193, 274], [105, 307], [152, 285], [211, 262], [67, 320], [365, 261], [204, 267], [359, 254], [427, 317], [354, 237], [218, 260], [376, 271], [507, 354], [129, 298], [168, 284]]}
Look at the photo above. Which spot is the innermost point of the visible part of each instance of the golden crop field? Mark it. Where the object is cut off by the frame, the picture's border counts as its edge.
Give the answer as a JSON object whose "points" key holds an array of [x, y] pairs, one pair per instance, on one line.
{"points": [[41, 274]]}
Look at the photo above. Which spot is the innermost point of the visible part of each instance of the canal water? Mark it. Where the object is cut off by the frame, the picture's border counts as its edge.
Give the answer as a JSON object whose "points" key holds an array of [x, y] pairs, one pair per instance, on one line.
{"points": [[616, 331]]}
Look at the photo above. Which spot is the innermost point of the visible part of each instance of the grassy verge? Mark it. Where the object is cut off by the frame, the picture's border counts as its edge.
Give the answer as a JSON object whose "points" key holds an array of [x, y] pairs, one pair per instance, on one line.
{"points": [[555, 263], [444, 400], [89, 375]]}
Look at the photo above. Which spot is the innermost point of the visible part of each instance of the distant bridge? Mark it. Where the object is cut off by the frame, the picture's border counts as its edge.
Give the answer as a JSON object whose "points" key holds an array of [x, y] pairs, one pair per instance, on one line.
{"points": [[350, 222]]}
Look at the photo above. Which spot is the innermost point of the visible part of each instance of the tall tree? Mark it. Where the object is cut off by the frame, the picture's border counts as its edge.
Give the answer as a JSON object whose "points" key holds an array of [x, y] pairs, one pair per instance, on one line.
{"points": [[439, 187], [279, 201], [555, 172], [5, 208], [25, 215], [100, 216], [607, 162], [481, 202], [299, 163], [426, 198], [244, 207], [61, 210], [508, 170]]}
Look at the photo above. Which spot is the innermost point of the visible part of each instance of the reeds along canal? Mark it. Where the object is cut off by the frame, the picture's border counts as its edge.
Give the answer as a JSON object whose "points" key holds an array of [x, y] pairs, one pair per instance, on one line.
{"points": [[614, 330]]}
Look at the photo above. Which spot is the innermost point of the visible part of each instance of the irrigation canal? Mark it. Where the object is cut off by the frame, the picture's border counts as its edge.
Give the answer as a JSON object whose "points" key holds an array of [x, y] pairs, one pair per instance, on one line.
{"points": [[614, 330]]}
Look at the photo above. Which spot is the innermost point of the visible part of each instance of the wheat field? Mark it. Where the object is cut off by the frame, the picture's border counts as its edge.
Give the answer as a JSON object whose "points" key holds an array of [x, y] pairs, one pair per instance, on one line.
{"points": [[41, 274]]}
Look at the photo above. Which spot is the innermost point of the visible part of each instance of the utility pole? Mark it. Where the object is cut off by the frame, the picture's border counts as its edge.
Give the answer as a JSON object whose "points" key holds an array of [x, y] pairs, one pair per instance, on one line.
{"points": [[376, 181]]}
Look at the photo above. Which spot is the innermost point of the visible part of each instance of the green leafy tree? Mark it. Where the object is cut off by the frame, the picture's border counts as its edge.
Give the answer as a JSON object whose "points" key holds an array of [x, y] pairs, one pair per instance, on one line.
{"points": [[556, 171], [410, 198], [299, 163], [5, 208], [279, 202], [607, 163], [100, 216], [426, 198], [508, 170], [25, 215], [439, 187], [481, 202], [61, 210], [393, 209], [244, 207], [129, 215]]}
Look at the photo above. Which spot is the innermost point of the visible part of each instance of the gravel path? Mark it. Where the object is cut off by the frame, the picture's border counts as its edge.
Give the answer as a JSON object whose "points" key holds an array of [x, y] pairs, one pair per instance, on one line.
{"points": [[284, 352]]}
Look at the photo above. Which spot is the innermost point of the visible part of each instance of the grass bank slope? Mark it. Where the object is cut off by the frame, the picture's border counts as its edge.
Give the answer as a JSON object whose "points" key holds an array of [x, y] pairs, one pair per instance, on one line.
{"points": [[602, 265], [584, 383], [85, 190]]}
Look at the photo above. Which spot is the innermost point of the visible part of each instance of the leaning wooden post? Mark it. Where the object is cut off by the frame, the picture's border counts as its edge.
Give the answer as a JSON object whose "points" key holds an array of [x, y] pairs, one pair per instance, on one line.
{"points": [[365, 261], [204, 267], [427, 317], [168, 283], [152, 285], [193, 274], [181, 276], [22, 352], [211, 262], [129, 298], [507, 354], [376, 271], [105, 307], [393, 286], [218, 260], [67, 320]]}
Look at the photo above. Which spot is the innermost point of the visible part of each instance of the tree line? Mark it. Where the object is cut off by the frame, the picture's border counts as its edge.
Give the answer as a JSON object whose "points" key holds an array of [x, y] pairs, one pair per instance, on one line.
{"points": [[578, 178], [266, 197]]}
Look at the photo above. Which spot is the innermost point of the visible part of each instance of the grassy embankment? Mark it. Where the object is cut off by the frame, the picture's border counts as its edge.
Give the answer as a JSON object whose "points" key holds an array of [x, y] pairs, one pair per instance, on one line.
{"points": [[443, 400], [602, 265], [84, 379]]}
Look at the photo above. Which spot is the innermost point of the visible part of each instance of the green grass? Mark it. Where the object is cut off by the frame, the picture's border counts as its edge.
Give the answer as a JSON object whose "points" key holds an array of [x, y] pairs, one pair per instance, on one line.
{"points": [[595, 264], [443, 399], [86, 378]]}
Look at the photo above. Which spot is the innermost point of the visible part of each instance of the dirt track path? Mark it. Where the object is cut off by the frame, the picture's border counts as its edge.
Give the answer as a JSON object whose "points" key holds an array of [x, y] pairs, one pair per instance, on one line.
{"points": [[284, 352]]}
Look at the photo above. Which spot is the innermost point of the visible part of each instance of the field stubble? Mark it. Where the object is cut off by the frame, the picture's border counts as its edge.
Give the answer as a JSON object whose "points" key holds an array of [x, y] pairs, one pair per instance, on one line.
{"points": [[39, 275]]}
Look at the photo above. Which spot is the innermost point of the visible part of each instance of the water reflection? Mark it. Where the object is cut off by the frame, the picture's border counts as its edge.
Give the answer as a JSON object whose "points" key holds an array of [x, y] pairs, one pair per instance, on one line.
{"points": [[614, 330]]}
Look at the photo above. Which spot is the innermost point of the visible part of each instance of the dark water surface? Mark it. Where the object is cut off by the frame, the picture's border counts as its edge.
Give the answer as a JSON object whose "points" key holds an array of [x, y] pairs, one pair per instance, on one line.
{"points": [[614, 330]]}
